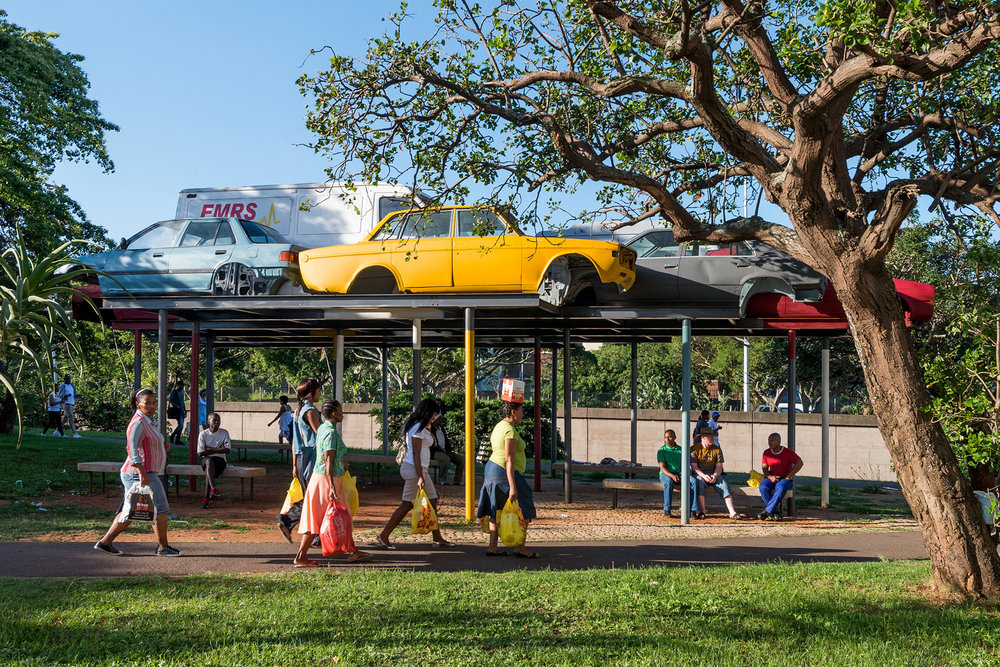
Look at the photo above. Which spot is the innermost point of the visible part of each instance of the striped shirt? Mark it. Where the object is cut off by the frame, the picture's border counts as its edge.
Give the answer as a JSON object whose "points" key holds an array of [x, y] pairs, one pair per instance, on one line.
{"points": [[143, 447]]}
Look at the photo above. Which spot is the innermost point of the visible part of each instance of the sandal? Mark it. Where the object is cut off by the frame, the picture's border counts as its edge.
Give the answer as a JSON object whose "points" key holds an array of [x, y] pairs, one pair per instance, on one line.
{"points": [[496, 553], [358, 555], [533, 554], [737, 517], [382, 544], [445, 544], [699, 515], [311, 563]]}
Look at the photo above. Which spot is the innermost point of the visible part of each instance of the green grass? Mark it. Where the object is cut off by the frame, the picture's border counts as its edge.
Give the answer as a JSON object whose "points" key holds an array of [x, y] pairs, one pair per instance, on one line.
{"points": [[780, 614]]}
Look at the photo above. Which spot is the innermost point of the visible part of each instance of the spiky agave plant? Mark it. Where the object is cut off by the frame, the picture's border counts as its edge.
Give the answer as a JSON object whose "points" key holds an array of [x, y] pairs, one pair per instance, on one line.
{"points": [[33, 318]]}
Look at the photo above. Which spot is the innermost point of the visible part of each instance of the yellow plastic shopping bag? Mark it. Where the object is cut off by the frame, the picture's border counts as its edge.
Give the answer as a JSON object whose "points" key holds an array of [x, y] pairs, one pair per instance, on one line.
{"points": [[512, 525], [292, 496], [484, 523], [351, 491], [755, 479], [423, 519]]}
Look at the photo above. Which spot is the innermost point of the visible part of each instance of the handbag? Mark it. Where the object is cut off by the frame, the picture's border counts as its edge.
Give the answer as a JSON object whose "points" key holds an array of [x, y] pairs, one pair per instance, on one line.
{"points": [[484, 452], [173, 412], [401, 453], [138, 504]]}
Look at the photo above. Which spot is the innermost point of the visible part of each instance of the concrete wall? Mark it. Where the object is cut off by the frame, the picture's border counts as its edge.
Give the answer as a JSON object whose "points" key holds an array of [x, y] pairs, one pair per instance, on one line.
{"points": [[857, 450]]}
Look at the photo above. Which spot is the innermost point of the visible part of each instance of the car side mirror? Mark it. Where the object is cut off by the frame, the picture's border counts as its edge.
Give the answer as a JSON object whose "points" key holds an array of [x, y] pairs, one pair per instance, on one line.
{"points": [[123, 244]]}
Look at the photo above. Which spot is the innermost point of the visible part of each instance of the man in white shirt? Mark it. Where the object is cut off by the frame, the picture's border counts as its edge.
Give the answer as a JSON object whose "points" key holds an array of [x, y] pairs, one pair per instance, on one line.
{"points": [[53, 410], [67, 393], [713, 424], [213, 445]]}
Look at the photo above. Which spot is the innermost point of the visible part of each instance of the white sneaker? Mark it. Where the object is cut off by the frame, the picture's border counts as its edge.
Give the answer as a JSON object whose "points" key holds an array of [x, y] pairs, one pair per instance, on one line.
{"points": [[77, 435], [44, 435], [55, 434]]}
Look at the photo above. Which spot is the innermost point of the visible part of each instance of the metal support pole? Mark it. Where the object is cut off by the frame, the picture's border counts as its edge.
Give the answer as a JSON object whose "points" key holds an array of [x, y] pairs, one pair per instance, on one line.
{"points": [[686, 498], [193, 426], [793, 399], [470, 411], [634, 402], [538, 413], [385, 399], [338, 371], [746, 374], [209, 375], [825, 429], [137, 362], [567, 421], [161, 371], [416, 362], [554, 444]]}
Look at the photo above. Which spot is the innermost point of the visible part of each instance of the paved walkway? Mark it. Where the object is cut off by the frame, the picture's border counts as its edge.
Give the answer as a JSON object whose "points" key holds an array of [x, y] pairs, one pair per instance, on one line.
{"points": [[68, 559]]}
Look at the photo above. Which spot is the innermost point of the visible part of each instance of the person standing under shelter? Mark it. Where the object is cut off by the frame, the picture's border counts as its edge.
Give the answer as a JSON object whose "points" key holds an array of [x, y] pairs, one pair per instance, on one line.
{"points": [[284, 419], [67, 393], [213, 445], [441, 450], [706, 463], [701, 424], [713, 423], [668, 457], [177, 410], [53, 412], [780, 466]]}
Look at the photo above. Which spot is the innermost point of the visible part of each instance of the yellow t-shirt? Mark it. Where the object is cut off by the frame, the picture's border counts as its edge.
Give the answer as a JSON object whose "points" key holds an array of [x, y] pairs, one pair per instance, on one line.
{"points": [[503, 432]]}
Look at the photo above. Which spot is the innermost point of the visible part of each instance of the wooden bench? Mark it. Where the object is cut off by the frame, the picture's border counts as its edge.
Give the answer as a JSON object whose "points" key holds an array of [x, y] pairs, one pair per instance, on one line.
{"points": [[176, 469], [617, 485], [238, 447]]}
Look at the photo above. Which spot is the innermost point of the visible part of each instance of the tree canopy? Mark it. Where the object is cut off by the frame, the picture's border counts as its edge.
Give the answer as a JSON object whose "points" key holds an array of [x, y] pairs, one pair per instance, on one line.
{"points": [[841, 113], [47, 118]]}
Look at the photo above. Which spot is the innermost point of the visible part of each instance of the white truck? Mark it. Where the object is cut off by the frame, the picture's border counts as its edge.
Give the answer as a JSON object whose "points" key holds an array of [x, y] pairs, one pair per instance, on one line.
{"points": [[311, 215]]}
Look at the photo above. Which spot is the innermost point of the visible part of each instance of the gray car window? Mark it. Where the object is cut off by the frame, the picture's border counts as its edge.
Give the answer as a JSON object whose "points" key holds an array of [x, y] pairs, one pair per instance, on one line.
{"points": [[200, 233], [426, 225], [261, 234], [160, 235], [655, 244], [481, 222], [225, 235]]}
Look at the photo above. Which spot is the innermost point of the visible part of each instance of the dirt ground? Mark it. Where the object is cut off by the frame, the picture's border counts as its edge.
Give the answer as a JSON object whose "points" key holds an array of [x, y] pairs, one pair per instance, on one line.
{"points": [[589, 517]]}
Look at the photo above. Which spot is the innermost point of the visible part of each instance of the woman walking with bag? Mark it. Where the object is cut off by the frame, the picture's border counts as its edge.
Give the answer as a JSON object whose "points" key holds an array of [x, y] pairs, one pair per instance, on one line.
{"points": [[503, 477], [414, 471], [326, 484], [146, 460]]}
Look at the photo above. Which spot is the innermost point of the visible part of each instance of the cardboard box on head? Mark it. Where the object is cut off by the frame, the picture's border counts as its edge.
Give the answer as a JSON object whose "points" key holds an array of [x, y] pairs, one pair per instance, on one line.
{"points": [[512, 391]]}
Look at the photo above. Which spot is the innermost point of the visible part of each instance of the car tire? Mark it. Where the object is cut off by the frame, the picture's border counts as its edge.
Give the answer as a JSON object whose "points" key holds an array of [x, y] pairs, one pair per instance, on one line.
{"points": [[235, 280]]}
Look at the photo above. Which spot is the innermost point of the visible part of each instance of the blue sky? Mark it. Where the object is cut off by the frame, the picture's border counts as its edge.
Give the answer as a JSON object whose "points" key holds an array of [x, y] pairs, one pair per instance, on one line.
{"points": [[204, 92]]}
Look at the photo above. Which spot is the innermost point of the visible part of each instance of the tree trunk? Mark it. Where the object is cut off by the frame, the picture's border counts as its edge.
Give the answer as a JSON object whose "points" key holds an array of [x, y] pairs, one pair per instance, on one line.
{"points": [[962, 554]]}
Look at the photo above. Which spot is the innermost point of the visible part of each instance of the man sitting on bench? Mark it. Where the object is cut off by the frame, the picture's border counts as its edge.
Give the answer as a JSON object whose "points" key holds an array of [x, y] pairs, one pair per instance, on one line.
{"points": [[669, 459], [706, 464], [213, 445], [780, 465]]}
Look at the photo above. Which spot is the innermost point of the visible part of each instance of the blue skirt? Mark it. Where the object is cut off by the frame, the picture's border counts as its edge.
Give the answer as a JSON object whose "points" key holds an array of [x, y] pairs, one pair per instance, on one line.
{"points": [[493, 496]]}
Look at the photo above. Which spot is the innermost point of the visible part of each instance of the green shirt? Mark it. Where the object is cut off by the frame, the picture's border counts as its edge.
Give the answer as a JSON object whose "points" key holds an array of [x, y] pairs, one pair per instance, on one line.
{"points": [[328, 440], [503, 432], [671, 456]]}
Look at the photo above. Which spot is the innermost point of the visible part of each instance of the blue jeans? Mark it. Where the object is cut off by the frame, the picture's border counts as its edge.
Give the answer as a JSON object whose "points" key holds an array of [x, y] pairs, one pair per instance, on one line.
{"points": [[772, 494], [721, 487], [668, 491]]}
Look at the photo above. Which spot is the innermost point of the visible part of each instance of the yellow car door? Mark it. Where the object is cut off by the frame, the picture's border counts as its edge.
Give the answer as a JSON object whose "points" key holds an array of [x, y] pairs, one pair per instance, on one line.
{"points": [[490, 263], [422, 255]]}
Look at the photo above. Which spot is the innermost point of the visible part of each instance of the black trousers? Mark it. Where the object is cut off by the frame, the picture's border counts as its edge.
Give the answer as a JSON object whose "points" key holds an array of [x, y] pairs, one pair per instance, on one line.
{"points": [[54, 422]]}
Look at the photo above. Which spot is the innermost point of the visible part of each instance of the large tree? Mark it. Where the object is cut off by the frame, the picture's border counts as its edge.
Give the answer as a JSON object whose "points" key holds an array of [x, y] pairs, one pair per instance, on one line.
{"points": [[46, 117], [842, 114]]}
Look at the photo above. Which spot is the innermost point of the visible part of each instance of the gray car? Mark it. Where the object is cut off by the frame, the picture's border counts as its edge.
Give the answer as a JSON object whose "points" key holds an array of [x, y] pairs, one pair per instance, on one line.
{"points": [[711, 279]]}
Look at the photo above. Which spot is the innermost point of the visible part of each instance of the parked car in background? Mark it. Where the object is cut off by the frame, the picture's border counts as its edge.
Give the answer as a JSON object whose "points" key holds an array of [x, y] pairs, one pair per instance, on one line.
{"points": [[459, 249], [712, 276], [223, 256]]}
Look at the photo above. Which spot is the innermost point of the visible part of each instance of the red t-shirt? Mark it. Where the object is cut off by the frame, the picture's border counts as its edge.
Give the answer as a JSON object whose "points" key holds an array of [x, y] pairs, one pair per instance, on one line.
{"points": [[779, 464]]}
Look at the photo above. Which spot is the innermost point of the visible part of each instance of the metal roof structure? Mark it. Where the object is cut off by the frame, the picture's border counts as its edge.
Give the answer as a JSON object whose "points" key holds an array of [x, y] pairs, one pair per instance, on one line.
{"points": [[509, 320]]}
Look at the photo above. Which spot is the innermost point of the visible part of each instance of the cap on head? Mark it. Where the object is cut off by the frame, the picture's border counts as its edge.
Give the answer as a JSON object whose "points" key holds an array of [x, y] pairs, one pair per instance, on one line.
{"points": [[715, 415]]}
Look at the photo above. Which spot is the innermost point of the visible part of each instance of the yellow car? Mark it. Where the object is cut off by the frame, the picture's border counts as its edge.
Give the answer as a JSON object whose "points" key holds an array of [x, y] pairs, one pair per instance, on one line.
{"points": [[460, 249]]}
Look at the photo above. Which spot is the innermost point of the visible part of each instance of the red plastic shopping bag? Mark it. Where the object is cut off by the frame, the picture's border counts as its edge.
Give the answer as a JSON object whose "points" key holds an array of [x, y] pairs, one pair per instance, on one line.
{"points": [[337, 531]]}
